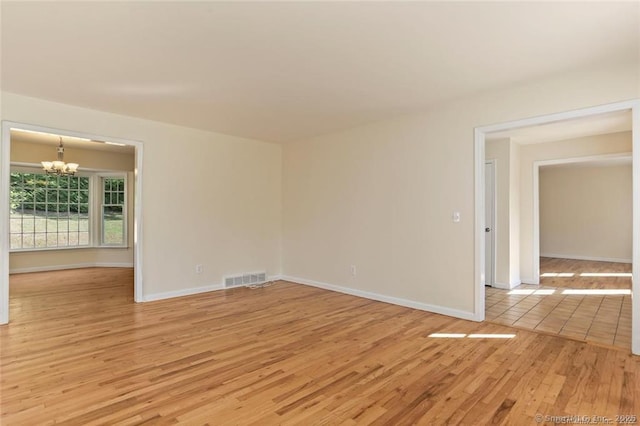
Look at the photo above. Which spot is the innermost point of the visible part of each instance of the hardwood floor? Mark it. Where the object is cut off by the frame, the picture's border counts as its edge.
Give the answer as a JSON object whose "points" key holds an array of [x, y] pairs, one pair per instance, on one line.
{"points": [[82, 353], [556, 307], [570, 273]]}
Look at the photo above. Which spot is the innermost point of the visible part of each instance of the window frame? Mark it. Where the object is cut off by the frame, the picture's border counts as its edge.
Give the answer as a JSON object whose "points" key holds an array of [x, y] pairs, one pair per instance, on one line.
{"points": [[95, 213], [99, 226]]}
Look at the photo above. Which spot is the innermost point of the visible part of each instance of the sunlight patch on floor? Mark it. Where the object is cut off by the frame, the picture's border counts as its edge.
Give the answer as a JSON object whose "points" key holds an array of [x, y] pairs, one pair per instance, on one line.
{"points": [[472, 336], [557, 274], [491, 336], [606, 274], [448, 335], [597, 291]]}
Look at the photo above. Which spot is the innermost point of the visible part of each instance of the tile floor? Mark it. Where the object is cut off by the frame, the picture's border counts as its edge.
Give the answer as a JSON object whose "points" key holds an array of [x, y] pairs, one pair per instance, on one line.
{"points": [[576, 299]]}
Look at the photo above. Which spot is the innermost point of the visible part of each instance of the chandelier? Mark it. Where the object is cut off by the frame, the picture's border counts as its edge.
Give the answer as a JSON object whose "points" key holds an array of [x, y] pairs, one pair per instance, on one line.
{"points": [[59, 167]]}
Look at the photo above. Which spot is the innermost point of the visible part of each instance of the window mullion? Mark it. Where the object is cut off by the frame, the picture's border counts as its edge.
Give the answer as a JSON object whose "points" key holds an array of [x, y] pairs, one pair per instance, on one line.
{"points": [[42, 217]]}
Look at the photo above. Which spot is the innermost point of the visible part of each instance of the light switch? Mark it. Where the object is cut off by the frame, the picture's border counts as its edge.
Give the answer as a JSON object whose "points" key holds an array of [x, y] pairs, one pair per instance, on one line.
{"points": [[455, 217]]}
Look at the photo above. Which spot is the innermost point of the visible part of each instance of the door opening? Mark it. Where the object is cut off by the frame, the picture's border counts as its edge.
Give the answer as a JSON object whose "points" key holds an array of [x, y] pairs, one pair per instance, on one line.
{"points": [[5, 166], [480, 221]]}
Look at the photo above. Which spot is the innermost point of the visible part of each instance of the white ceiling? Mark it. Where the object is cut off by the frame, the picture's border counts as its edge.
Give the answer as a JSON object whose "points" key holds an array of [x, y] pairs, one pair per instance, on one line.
{"points": [[281, 71], [601, 124]]}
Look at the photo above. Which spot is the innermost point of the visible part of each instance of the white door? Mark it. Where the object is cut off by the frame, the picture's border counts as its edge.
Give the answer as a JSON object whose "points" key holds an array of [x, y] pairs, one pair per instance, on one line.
{"points": [[489, 214]]}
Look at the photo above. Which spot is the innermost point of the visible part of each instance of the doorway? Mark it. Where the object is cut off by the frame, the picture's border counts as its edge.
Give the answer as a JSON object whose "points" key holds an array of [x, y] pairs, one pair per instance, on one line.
{"points": [[562, 164], [136, 178], [480, 257]]}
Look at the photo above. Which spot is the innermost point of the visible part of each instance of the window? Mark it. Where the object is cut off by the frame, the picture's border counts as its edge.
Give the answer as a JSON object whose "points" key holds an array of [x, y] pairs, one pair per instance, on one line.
{"points": [[55, 212], [48, 211], [113, 202]]}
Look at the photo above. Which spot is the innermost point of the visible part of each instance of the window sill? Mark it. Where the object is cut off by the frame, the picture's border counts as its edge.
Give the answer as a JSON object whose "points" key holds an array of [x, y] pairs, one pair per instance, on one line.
{"points": [[32, 250]]}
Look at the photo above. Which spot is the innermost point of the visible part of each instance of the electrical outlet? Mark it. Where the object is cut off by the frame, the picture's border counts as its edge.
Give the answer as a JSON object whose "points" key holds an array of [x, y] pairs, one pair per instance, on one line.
{"points": [[199, 268], [353, 270]]}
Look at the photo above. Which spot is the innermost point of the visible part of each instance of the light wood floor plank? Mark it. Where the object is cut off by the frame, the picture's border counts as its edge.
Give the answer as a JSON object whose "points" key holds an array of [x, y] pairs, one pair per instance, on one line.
{"points": [[78, 351]]}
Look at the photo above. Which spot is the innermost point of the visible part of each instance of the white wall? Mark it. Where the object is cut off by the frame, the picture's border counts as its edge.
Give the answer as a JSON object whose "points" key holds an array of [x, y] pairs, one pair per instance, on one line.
{"points": [[207, 198], [381, 196], [572, 148], [585, 212]]}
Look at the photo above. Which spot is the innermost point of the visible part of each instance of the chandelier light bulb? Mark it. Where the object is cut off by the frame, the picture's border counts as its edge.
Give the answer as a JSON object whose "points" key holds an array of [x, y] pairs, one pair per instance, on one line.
{"points": [[59, 167]]}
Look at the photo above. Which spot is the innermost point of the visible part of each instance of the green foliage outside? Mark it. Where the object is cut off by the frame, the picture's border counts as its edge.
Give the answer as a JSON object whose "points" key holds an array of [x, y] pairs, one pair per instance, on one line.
{"points": [[113, 213], [53, 211], [48, 193]]}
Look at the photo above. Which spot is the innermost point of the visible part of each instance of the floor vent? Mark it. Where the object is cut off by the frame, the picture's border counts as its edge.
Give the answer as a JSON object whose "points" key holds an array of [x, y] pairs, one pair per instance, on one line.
{"points": [[245, 279]]}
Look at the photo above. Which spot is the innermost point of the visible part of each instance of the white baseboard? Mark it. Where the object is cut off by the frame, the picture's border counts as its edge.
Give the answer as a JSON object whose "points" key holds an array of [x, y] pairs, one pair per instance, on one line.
{"points": [[502, 286], [529, 281], [383, 298], [193, 290], [69, 266], [182, 292], [594, 258], [506, 286]]}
